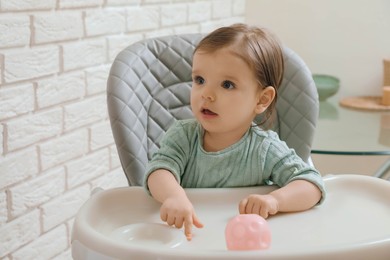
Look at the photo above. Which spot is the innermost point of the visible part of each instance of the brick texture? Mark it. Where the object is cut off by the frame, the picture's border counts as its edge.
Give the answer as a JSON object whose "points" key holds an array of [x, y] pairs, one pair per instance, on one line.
{"points": [[27, 5], [85, 112], [82, 54], [15, 30], [101, 135], [64, 207], [96, 79], [109, 21], [3, 208], [200, 12], [53, 27], [36, 191], [60, 89], [78, 3], [117, 43], [18, 232], [16, 101], [31, 63], [46, 246], [30, 129], [173, 14], [69, 146], [18, 166], [143, 18], [56, 143], [87, 168]]}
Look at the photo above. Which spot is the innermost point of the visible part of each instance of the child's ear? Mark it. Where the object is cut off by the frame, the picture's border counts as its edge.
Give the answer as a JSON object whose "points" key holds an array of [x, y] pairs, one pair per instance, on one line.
{"points": [[266, 96]]}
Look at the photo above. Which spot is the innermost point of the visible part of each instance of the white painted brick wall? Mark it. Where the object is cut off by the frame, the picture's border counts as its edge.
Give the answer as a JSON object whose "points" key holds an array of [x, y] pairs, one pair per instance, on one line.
{"points": [[142, 18], [30, 129], [15, 30], [78, 3], [83, 54], [1, 139], [19, 232], [30, 63], [160, 32], [45, 247], [118, 42], [222, 9], [16, 101], [1, 67], [25, 5], [18, 166], [186, 29], [57, 26], [60, 89], [64, 207], [109, 21], [57, 151], [69, 223], [87, 168], [56, 143], [96, 79], [123, 2], [173, 14], [66, 255], [101, 135], [37, 191], [3, 208], [199, 11], [85, 112], [115, 162]]}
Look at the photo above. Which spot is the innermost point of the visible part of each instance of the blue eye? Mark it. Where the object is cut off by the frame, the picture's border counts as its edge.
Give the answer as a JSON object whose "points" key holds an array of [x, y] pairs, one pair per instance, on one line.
{"points": [[227, 84], [198, 80]]}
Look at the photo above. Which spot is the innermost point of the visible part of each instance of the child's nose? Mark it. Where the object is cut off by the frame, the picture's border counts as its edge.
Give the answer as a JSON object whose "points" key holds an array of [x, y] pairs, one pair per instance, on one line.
{"points": [[208, 93]]}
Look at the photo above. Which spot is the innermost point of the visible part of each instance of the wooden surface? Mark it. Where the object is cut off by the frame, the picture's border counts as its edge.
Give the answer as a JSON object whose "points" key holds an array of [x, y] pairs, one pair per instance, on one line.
{"points": [[365, 103]]}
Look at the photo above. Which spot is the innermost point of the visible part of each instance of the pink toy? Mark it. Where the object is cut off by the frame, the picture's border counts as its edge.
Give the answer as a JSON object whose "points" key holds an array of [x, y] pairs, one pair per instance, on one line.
{"points": [[247, 232]]}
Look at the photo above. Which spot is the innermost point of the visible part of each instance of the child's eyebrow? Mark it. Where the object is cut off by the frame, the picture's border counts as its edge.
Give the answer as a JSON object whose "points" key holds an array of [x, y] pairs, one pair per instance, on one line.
{"points": [[195, 72]]}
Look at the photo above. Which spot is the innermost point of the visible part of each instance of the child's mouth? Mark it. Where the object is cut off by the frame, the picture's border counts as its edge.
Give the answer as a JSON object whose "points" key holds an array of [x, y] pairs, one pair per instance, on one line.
{"points": [[208, 112]]}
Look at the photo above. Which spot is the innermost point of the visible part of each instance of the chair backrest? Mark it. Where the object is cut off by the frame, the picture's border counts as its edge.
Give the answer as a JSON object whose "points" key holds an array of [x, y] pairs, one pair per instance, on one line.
{"points": [[149, 87]]}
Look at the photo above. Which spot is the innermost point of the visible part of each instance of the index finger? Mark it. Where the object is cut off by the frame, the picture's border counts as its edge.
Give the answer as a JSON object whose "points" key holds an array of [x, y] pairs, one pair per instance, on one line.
{"points": [[242, 206], [188, 227]]}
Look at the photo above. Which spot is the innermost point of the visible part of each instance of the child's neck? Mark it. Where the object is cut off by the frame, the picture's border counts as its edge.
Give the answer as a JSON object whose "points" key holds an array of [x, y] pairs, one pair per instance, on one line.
{"points": [[218, 142]]}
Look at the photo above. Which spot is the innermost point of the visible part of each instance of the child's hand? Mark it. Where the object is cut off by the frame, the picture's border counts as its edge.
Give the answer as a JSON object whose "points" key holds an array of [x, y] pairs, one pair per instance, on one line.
{"points": [[263, 205], [179, 211]]}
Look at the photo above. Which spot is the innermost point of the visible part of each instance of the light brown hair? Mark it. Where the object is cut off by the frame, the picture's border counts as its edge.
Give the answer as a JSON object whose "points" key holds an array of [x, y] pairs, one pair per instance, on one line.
{"points": [[259, 48]]}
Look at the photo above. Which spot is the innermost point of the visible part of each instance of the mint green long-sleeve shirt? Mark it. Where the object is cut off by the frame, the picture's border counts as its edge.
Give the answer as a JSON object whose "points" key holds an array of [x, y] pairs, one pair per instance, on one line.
{"points": [[258, 158]]}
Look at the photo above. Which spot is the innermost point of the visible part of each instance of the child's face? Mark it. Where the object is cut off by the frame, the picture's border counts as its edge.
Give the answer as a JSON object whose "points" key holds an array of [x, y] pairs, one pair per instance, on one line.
{"points": [[225, 96]]}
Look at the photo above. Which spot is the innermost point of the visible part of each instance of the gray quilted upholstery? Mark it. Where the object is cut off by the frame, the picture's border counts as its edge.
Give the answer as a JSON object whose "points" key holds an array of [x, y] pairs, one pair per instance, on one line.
{"points": [[149, 87]]}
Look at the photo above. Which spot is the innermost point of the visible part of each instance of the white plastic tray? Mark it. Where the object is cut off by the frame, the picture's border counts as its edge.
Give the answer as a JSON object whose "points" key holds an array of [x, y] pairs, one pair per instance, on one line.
{"points": [[124, 223]]}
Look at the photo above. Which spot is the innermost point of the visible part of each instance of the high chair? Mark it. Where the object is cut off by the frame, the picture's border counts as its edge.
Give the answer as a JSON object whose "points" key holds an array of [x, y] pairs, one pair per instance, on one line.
{"points": [[148, 89]]}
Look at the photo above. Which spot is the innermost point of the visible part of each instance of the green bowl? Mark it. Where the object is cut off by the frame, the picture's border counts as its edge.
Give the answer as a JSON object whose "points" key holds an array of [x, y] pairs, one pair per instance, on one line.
{"points": [[326, 85]]}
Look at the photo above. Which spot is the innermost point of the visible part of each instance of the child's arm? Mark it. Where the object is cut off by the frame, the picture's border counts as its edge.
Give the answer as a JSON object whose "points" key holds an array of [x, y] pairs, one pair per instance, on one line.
{"points": [[176, 208], [297, 195]]}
